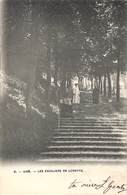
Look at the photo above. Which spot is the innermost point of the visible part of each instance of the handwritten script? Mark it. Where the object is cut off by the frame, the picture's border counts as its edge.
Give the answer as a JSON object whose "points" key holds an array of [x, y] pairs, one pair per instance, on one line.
{"points": [[105, 185]]}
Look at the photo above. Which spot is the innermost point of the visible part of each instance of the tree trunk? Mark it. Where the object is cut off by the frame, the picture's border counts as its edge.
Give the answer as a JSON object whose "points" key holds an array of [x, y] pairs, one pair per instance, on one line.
{"points": [[48, 77], [31, 75], [118, 83], [56, 70], [56, 73], [109, 84], [63, 83], [30, 91], [55, 57], [100, 84], [105, 85], [91, 80]]}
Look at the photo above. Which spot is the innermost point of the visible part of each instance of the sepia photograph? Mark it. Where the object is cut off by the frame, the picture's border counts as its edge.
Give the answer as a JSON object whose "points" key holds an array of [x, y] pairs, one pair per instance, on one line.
{"points": [[63, 80], [63, 97]]}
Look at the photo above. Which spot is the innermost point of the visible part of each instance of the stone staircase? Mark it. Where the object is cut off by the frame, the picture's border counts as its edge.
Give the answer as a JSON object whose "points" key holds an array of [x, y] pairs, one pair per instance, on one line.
{"points": [[89, 140]]}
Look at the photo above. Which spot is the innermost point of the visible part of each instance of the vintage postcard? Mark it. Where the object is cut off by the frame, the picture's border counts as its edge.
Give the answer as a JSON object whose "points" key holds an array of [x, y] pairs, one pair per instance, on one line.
{"points": [[63, 97]]}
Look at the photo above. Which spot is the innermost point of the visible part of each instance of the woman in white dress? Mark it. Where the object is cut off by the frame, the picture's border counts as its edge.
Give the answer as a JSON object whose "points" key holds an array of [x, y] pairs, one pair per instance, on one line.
{"points": [[76, 94]]}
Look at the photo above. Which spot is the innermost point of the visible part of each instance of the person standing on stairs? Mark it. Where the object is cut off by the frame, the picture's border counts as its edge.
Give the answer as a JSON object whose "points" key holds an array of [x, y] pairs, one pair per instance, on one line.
{"points": [[69, 99], [76, 96], [96, 95]]}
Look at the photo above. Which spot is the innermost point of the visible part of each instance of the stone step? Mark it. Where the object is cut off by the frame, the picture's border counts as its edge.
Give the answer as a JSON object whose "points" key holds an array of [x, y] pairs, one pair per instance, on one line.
{"points": [[92, 124], [101, 133], [97, 120], [92, 127], [88, 143], [87, 147], [84, 159], [91, 130], [90, 138], [94, 118], [91, 121], [92, 134], [70, 121], [76, 154]]}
